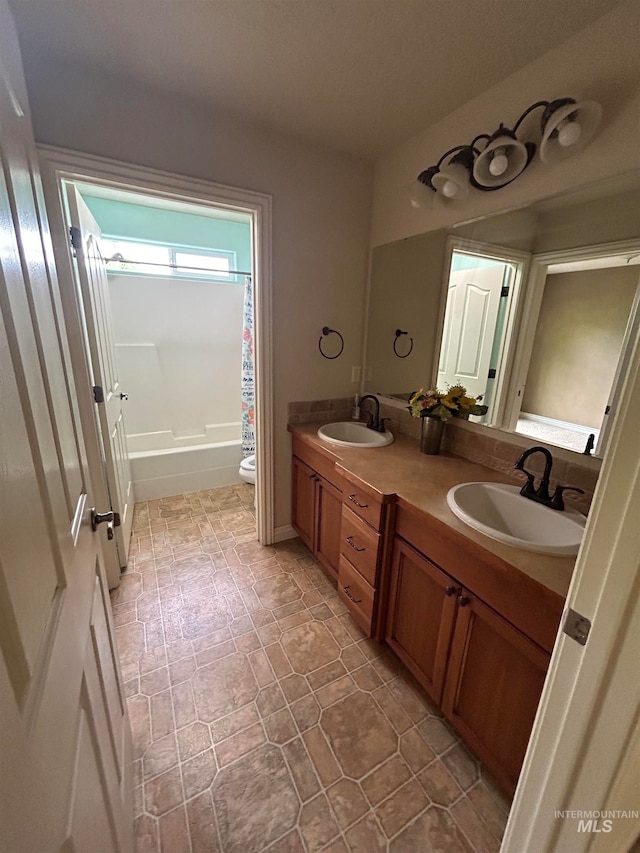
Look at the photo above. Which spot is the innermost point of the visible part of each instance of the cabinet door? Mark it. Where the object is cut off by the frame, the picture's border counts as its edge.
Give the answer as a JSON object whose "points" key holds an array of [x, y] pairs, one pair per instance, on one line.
{"points": [[303, 501], [329, 509], [493, 687], [422, 604]]}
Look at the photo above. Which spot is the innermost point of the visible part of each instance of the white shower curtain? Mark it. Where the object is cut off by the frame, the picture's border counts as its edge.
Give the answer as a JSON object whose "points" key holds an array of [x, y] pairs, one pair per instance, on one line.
{"points": [[248, 396]]}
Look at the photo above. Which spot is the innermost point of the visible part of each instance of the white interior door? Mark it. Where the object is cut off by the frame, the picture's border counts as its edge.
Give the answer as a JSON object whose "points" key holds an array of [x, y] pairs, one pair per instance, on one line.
{"points": [[473, 300], [94, 287], [64, 733]]}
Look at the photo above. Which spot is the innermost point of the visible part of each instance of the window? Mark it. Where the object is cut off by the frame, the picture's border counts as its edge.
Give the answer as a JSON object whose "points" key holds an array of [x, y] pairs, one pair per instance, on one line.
{"points": [[155, 259], [203, 263], [139, 258]]}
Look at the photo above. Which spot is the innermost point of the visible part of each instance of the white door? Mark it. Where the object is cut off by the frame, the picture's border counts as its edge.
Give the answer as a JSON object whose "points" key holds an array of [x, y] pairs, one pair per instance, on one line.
{"points": [[64, 732], [471, 313], [94, 287]]}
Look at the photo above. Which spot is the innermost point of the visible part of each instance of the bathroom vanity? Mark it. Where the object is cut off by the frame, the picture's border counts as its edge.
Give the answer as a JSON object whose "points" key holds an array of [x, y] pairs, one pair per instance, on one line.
{"points": [[473, 619]]}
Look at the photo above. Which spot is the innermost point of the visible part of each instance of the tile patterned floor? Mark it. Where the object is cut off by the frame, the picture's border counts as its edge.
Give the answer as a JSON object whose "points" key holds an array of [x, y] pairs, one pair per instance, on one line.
{"points": [[262, 718]]}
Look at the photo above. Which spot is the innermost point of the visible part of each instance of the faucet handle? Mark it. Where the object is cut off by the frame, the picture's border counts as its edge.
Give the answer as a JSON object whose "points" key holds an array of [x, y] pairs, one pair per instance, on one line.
{"points": [[529, 487], [556, 501]]}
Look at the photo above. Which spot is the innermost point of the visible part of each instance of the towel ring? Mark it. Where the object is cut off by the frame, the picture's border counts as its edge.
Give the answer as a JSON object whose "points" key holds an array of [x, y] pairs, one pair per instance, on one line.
{"points": [[327, 331], [399, 334]]}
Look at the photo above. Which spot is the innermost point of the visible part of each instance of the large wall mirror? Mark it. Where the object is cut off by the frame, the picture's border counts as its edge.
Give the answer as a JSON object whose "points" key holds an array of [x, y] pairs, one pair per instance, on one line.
{"points": [[536, 309]]}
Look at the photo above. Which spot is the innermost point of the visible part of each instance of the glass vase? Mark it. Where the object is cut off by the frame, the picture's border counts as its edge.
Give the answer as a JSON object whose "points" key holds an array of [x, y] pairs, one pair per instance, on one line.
{"points": [[431, 435]]}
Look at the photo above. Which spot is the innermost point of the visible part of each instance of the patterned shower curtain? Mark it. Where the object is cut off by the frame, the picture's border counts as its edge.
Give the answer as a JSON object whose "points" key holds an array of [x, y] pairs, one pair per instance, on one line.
{"points": [[248, 396]]}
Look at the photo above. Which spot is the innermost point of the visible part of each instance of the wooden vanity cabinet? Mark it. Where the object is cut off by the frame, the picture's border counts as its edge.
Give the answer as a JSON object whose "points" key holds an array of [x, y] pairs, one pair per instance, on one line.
{"points": [[420, 616], [492, 688], [365, 532], [317, 509], [484, 673]]}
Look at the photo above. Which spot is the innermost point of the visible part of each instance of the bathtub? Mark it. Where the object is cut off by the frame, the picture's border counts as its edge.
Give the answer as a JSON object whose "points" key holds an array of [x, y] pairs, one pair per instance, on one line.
{"points": [[165, 464]]}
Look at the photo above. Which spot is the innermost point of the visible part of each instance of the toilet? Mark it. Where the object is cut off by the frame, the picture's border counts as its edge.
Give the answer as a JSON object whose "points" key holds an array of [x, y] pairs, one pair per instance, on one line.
{"points": [[248, 469]]}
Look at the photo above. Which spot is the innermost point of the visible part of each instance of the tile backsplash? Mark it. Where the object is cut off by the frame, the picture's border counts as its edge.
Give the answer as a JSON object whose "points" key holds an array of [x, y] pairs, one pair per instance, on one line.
{"points": [[490, 447]]}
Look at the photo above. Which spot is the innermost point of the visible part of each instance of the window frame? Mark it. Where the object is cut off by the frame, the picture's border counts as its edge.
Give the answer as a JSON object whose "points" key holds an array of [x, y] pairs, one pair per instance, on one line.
{"points": [[173, 250]]}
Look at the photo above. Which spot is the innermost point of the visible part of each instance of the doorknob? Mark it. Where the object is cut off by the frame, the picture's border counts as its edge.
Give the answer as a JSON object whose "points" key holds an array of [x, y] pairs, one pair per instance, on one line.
{"points": [[124, 396], [100, 518]]}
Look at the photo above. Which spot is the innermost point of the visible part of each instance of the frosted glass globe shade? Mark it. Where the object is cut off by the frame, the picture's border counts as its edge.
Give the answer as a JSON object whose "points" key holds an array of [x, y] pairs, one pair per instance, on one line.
{"points": [[499, 165], [569, 134], [450, 189]]}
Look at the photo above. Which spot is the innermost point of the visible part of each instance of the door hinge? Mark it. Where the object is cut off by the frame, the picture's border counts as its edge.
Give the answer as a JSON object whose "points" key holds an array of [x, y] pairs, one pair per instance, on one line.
{"points": [[76, 237], [504, 291], [98, 394], [576, 626], [607, 410], [492, 373]]}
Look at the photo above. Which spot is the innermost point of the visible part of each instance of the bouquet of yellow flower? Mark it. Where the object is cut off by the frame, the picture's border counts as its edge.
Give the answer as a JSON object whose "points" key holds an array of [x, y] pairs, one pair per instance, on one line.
{"points": [[442, 405]]}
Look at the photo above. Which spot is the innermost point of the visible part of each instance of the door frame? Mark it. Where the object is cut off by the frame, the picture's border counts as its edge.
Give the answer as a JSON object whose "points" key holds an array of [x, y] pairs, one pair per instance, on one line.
{"points": [[583, 752], [60, 164], [533, 304], [513, 319]]}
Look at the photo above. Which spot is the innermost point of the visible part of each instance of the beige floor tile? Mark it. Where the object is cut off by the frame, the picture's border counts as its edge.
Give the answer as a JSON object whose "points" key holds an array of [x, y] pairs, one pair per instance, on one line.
{"points": [[440, 786], [402, 807], [347, 801], [255, 801], [317, 824], [434, 831], [262, 718], [359, 734], [385, 779], [301, 768], [203, 829], [174, 833]]}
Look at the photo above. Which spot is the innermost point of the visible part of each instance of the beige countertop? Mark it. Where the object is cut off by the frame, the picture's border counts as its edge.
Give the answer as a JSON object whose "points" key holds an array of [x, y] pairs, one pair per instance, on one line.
{"points": [[421, 482]]}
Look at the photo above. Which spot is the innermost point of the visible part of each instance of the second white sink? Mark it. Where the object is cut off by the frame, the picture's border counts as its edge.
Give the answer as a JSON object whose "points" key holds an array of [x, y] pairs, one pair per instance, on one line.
{"points": [[501, 512], [354, 434]]}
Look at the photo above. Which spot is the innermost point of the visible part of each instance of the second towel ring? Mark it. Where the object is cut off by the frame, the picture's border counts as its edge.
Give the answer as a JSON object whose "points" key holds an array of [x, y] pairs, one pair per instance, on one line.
{"points": [[327, 331], [399, 334]]}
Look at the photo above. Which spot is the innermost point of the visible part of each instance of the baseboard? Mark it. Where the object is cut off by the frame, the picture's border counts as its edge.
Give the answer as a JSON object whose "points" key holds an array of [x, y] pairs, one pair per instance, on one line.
{"points": [[554, 422], [280, 534]]}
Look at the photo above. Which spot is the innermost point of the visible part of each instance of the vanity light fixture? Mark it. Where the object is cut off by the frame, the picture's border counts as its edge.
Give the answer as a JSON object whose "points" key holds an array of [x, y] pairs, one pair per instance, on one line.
{"points": [[491, 161]]}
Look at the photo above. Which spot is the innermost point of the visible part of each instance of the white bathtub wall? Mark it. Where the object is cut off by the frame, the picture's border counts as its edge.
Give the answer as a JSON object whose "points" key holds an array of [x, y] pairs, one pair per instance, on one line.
{"points": [[179, 353]]}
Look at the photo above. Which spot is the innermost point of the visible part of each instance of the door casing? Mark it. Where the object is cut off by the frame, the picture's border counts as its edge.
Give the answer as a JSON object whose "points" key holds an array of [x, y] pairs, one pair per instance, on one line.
{"points": [[60, 165]]}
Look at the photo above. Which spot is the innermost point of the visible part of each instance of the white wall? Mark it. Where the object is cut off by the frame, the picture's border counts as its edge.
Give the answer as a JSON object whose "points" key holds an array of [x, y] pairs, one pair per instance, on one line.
{"points": [[601, 63], [321, 210], [179, 348]]}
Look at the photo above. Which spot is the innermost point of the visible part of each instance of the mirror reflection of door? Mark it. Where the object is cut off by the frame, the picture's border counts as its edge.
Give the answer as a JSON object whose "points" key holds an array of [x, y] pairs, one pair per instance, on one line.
{"points": [[586, 317], [477, 296]]}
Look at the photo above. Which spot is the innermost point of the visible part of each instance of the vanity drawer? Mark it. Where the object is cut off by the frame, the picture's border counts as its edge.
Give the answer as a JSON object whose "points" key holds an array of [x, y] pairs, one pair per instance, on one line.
{"points": [[356, 594], [360, 545], [363, 505]]}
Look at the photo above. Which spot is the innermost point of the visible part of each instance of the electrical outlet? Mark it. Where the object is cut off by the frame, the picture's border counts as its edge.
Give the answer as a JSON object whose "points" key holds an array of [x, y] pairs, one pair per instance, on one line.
{"points": [[355, 374]]}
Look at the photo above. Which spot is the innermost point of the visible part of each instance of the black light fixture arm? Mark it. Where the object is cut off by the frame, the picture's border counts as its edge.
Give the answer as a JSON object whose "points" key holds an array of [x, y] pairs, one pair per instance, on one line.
{"points": [[503, 153], [527, 112]]}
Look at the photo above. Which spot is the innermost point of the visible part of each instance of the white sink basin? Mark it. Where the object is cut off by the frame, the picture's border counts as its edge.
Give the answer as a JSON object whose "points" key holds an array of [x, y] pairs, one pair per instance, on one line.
{"points": [[354, 434], [499, 511]]}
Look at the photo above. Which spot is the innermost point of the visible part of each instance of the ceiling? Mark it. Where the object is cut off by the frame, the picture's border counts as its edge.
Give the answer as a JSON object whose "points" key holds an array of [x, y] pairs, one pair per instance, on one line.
{"points": [[360, 76]]}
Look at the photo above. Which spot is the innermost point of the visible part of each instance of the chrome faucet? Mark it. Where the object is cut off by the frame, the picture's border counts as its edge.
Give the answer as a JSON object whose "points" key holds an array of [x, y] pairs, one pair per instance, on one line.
{"points": [[541, 493], [373, 418]]}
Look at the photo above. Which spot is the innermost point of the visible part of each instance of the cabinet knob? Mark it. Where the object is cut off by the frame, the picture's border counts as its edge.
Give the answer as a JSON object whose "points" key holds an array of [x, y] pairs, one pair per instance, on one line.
{"points": [[353, 500], [353, 544], [348, 594], [450, 590], [463, 600]]}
